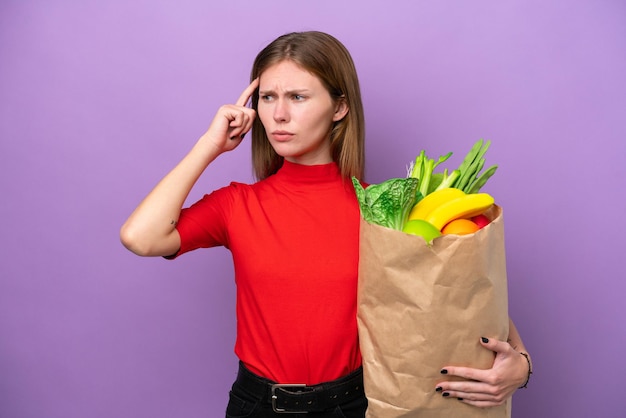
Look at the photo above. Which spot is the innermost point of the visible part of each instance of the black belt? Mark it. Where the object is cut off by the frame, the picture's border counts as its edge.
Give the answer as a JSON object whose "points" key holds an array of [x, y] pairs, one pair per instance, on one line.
{"points": [[300, 398]]}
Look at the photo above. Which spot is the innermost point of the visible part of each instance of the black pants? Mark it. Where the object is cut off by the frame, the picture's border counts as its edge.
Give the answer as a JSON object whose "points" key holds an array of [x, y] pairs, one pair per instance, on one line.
{"points": [[250, 396]]}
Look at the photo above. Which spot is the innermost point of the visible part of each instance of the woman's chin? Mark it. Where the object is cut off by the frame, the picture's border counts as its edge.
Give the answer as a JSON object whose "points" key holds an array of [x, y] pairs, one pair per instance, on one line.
{"points": [[299, 156]]}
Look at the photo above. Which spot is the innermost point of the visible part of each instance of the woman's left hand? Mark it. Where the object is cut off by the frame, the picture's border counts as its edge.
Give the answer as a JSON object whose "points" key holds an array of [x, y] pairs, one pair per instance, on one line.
{"points": [[491, 387]]}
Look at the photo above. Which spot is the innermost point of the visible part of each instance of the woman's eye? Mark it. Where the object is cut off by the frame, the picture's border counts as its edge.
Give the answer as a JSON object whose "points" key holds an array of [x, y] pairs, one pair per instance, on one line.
{"points": [[266, 98], [298, 97]]}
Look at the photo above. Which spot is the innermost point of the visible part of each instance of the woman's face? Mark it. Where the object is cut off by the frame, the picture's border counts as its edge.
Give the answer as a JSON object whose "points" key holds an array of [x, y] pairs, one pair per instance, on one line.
{"points": [[297, 113]]}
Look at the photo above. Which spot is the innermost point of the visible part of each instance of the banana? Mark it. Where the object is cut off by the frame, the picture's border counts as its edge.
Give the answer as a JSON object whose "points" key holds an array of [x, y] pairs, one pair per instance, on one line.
{"points": [[461, 207], [432, 201]]}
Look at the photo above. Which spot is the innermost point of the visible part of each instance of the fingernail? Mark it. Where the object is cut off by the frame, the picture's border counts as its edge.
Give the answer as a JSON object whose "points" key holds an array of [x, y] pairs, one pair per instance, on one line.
{"points": [[460, 399], [242, 135], [446, 393], [444, 371], [438, 389], [485, 340]]}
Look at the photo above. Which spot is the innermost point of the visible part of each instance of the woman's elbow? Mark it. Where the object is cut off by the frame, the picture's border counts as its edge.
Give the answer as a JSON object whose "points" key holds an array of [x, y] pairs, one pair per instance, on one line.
{"points": [[146, 245], [132, 241]]}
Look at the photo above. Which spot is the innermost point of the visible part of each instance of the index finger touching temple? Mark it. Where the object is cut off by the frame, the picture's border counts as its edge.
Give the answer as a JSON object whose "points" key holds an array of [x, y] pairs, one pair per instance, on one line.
{"points": [[247, 93]]}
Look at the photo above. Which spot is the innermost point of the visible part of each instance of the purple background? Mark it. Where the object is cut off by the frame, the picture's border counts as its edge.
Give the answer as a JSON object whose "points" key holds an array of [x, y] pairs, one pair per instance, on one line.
{"points": [[98, 100]]}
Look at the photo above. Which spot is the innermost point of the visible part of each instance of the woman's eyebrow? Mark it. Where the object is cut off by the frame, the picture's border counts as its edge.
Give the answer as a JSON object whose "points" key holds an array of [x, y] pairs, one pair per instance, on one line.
{"points": [[270, 92]]}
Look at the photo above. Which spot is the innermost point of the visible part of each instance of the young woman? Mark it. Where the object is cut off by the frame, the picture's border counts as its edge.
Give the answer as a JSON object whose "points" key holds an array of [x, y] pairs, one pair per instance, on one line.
{"points": [[294, 237]]}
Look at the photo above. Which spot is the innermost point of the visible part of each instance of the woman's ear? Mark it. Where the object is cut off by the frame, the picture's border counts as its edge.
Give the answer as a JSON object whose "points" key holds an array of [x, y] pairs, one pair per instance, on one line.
{"points": [[341, 109]]}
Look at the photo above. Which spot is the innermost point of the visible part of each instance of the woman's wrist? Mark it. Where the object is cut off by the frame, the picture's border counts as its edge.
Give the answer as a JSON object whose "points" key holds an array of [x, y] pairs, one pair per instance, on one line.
{"points": [[530, 370]]}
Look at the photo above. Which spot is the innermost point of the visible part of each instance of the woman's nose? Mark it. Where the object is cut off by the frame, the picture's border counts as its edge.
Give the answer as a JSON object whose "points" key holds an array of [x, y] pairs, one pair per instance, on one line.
{"points": [[281, 111]]}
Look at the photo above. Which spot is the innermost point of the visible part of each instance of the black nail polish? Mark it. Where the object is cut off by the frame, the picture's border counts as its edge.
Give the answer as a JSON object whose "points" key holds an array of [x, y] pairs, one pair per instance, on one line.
{"points": [[242, 135], [445, 394], [460, 399], [485, 340], [438, 389], [443, 371]]}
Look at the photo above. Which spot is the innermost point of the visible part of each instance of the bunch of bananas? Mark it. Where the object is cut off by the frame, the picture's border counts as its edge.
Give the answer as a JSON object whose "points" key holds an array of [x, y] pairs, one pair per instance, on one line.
{"points": [[448, 210], [445, 205]]}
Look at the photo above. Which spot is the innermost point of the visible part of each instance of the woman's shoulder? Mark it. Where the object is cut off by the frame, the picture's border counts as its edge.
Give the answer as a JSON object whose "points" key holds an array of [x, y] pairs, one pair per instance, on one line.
{"points": [[242, 189]]}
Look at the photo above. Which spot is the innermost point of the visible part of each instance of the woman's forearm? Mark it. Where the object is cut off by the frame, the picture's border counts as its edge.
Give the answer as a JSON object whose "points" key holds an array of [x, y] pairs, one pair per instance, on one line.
{"points": [[151, 228]]}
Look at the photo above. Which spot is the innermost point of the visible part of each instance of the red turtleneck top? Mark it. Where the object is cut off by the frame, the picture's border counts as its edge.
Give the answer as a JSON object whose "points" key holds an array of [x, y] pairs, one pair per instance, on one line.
{"points": [[294, 241]]}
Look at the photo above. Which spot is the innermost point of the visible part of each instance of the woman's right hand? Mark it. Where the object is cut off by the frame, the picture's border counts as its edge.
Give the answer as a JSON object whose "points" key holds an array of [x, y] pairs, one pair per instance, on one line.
{"points": [[231, 122]]}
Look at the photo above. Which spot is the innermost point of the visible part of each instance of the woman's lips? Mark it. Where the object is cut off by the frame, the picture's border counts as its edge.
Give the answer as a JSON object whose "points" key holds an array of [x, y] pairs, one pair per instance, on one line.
{"points": [[282, 136]]}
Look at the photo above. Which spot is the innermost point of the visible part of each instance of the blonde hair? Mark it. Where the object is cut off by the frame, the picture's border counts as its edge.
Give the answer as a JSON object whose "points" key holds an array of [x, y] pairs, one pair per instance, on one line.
{"points": [[329, 60]]}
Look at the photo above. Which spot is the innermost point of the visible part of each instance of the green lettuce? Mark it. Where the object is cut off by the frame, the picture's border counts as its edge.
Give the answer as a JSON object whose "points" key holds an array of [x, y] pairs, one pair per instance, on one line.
{"points": [[388, 203]]}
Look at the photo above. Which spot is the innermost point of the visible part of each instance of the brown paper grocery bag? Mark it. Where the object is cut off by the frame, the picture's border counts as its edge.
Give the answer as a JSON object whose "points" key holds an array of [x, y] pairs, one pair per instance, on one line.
{"points": [[423, 307]]}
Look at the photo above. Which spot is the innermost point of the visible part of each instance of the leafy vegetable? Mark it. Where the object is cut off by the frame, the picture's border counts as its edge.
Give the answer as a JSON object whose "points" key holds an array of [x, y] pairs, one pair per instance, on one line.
{"points": [[470, 180], [388, 203], [422, 169], [443, 180], [467, 177]]}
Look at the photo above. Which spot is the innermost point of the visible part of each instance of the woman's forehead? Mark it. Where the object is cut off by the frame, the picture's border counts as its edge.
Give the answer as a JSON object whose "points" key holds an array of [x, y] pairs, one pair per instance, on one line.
{"points": [[288, 75]]}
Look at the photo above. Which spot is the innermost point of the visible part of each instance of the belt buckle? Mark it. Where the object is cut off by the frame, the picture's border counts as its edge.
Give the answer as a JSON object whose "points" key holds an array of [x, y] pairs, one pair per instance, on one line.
{"points": [[275, 397]]}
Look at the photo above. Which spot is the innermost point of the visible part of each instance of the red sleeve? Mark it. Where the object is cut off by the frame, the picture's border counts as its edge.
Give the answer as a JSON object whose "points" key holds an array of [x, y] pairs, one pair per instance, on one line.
{"points": [[205, 223]]}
